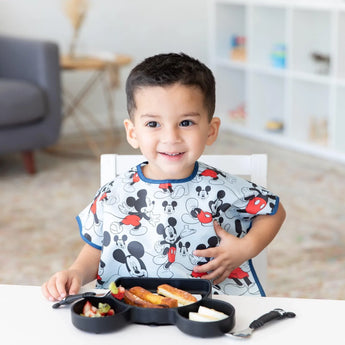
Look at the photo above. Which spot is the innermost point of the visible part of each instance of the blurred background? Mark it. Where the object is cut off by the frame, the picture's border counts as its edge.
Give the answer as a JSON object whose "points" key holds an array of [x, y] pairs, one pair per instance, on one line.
{"points": [[280, 90], [136, 28]]}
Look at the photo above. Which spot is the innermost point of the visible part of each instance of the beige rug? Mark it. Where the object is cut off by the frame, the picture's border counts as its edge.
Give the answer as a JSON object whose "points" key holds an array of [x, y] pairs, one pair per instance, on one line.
{"points": [[39, 234]]}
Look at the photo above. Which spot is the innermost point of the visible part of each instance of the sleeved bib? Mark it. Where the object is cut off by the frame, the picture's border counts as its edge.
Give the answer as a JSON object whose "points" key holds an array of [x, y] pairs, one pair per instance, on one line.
{"points": [[150, 228]]}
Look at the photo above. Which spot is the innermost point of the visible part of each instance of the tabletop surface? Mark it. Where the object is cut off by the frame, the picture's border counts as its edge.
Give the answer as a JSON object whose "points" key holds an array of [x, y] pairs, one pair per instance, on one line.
{"points": [[93, 63], [27, 318]]}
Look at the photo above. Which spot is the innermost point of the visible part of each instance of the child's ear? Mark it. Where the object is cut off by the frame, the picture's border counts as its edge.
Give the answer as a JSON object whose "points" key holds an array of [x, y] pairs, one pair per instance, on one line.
{"points": [[130, 133], [213, 130]]}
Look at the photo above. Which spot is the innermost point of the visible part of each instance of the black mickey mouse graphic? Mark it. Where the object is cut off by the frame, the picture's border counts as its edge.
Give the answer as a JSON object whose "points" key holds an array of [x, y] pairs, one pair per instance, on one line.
{"points": [[184, 248], [170, 236], [216, 206], [134, 264], [212, 242], [238, 228], [134, 217], [169, 208], [136, 209], [169, 244], [120, 242], [203, 193]]}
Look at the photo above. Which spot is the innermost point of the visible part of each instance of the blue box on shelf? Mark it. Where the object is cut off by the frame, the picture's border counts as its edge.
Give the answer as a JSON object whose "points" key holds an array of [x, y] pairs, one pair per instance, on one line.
{"points": [[278, 55]]}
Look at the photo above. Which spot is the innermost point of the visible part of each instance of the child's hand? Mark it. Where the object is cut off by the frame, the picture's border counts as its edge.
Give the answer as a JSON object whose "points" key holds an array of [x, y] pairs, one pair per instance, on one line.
{"points": [[230, 254], [61, 284]]}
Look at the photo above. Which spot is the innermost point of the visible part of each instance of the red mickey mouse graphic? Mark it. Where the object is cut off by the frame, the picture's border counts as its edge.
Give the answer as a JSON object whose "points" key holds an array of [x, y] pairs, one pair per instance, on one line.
{"points": [[166, 187], [132, 219], [101, 196], [239, 276], [238, 273], [212, 173], [256, 204], [204, 217], [135, 178]]}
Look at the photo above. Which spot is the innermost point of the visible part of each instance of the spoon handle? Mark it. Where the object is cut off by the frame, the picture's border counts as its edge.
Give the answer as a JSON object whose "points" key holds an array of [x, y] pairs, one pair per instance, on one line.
{"points": [[71, 298]]}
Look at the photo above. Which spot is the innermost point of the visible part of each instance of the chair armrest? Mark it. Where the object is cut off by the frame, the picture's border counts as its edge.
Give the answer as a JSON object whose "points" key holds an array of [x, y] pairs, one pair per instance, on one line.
{"points": [[30, 60], [35, 61]]}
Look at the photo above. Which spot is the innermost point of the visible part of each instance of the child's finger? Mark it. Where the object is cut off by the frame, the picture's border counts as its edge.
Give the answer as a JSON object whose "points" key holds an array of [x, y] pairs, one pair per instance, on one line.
{"points": [[46, 292], [74, 287], [61, 287], [51, 290], [219, 230], [206, 253], [221, 278]]}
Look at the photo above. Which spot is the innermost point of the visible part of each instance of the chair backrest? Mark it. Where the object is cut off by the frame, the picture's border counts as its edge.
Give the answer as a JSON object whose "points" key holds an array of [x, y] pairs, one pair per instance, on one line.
{"points": [[253, 167]]}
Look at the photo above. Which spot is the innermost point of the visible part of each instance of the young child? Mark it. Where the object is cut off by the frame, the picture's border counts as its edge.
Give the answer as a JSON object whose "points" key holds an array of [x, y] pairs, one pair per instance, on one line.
{"points": [[172, 216]]}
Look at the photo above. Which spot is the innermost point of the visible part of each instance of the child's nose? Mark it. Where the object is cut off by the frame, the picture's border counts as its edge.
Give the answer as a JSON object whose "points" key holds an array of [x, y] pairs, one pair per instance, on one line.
{"points": [[171, 135]]}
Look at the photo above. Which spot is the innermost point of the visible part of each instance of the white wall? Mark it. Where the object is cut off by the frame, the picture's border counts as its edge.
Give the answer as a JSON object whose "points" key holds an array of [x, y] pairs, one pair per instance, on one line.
{"points": [[136, 27]]}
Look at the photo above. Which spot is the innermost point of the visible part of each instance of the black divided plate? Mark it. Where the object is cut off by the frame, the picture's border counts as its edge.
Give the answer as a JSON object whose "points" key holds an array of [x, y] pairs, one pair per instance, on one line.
{"points": [[206, 329], [125, 314], [167, 315], [120, 319]]}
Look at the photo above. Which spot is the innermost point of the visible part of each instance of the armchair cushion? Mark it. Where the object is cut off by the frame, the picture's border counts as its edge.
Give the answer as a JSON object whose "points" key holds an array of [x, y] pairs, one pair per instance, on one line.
{"points": [[33, 65], [20, 103]]}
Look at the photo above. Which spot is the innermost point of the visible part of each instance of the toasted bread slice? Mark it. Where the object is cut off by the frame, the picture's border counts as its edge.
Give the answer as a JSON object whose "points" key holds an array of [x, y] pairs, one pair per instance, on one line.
{"points": [[183, 297]]}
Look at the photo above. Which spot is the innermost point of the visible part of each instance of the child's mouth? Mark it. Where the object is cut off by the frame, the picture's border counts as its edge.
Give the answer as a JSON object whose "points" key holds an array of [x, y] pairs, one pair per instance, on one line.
{"points": [[172, 154]]}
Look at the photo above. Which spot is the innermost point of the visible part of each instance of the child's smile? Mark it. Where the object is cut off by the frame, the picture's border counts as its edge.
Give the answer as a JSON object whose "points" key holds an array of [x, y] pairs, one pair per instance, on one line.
{"points": [[172, 155], [171, 128]]}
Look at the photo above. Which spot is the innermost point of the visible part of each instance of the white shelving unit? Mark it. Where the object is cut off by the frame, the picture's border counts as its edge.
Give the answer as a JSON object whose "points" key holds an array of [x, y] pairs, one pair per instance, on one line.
{"points": [[305, 96]]}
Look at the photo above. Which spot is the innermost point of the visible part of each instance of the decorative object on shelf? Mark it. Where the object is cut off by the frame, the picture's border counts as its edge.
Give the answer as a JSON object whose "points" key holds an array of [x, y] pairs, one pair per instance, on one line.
{"points": [[238, 48], [76, 11], [318, 130], [275, 125], [322, 62], [278, 55], [238, 114]]}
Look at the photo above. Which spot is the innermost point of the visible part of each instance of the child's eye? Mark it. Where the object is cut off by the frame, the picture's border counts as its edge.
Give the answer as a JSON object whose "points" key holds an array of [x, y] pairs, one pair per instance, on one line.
{"points": [[152, 124], [186, 123]]}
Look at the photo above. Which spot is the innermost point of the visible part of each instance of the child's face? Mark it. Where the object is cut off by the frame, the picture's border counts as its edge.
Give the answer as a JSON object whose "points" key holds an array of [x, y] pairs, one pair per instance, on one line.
{"points": [[170, 127]]}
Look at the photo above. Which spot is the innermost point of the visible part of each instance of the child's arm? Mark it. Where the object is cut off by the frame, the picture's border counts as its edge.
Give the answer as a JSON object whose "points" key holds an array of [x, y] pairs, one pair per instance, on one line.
{"points": [[68, 282], [233, 251]]}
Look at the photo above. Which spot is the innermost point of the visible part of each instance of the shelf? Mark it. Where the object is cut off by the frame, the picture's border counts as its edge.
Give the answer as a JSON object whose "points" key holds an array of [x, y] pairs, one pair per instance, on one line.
{"points": [[290, 70], [267, 95], [311, 77], [264, 39], [311, 34]]}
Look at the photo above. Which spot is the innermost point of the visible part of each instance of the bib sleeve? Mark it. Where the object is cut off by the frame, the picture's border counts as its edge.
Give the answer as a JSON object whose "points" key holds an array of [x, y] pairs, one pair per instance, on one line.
{"points": [[90, 220], [254, 200]]}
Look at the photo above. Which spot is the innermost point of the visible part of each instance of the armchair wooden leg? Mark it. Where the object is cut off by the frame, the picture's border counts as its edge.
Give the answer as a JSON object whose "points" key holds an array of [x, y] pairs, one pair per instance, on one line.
{"points": [[29, 161]]}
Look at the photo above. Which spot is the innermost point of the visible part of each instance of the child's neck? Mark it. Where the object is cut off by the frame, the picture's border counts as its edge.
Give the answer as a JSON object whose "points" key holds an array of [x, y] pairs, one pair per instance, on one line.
{"points": [[152, 175]]}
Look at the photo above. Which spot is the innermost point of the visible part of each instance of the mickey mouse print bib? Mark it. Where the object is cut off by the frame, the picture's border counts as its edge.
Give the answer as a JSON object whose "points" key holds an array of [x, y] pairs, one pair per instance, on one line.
{"points": [[150, 228]]}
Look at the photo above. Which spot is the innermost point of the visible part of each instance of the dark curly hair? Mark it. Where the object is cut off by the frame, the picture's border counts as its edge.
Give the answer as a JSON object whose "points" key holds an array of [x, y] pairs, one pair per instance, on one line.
{"points": [[167, 69]]}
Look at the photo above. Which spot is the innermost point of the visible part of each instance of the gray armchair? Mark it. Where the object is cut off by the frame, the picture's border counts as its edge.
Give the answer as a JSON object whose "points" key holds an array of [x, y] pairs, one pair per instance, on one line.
{"points": [[30, 97]]}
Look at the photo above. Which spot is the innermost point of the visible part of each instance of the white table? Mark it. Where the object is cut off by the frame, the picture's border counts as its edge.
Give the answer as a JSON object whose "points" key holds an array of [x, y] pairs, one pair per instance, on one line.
{"points": [[28, 318]]}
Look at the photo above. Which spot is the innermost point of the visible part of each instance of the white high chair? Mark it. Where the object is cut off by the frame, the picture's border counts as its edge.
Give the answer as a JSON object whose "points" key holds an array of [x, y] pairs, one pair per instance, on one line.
{"points": [[252, 167]]}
